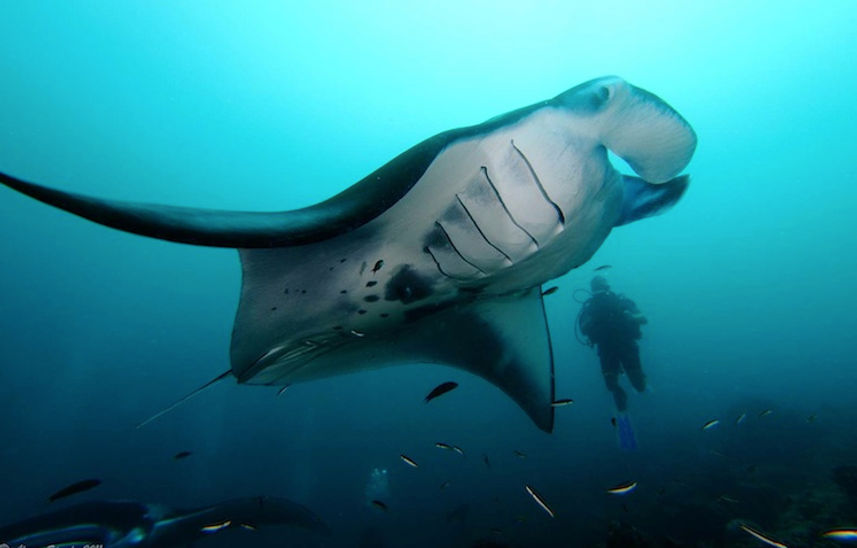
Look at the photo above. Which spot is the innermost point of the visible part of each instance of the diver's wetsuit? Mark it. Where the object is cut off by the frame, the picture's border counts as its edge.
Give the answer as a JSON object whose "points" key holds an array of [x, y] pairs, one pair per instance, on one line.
{"points": [[612, 322]]}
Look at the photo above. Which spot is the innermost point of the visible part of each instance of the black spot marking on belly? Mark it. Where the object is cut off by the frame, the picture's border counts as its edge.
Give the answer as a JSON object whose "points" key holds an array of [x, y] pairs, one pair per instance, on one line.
{"points": [[371, 283], [384, 315], [361, 311], [407, 286], [344, 291], [371, 298]]}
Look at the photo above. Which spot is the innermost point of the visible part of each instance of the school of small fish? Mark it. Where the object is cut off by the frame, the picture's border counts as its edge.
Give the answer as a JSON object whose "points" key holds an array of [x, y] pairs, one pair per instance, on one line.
{"points": [[625, 488]]}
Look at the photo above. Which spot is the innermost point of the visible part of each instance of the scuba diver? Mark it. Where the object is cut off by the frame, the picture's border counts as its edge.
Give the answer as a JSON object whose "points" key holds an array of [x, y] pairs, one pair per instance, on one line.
{"points": [[612, 323]]}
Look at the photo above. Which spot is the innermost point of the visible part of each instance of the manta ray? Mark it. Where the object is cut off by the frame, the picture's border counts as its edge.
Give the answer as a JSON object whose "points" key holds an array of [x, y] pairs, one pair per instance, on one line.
{"points": [[122, 524], [439, 255]]}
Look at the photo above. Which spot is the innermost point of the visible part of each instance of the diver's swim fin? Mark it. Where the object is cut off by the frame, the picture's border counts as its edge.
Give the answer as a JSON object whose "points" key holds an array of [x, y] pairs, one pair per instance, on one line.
{"points": [[627, 440]]}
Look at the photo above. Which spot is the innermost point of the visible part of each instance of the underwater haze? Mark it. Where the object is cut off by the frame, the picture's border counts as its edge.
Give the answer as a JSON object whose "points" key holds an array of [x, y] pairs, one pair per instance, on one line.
{"points": [[749, 283]]}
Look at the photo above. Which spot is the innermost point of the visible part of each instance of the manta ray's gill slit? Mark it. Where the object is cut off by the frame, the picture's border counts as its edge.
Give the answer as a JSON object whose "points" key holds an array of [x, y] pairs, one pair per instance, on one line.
{"points": [[505, 208], [539, 184], [440, 268], [479, 229], [452, 245]]}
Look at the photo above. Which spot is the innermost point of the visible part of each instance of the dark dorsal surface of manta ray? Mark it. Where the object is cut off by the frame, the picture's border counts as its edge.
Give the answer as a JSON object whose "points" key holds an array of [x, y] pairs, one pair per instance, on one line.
{"points": [[121, 524], [437, 256]]}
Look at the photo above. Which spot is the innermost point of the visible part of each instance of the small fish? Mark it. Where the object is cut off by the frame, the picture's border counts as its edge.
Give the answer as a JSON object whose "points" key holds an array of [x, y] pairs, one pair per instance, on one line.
{"points": [[765, 413], [441, 445], [613, 421], [847, 535], [441, 389], [562, 403], [710, 424], [603, 267], [444, 485], [409, 461], [623, 488], [248, 526], [496, 530], [767, 540], [724, 498], [486, 461], [74, 488], [458, 450], [282, 390], [379, 505], [550, 291], [539, 500], [358, 333], [520, 454], [741, 418], [811, 418], [215, 527], [181, 455], [378, 264]]}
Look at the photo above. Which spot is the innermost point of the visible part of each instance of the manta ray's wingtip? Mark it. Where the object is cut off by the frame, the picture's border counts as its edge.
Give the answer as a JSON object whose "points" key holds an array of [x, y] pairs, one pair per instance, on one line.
{"points": [[209, 227]]}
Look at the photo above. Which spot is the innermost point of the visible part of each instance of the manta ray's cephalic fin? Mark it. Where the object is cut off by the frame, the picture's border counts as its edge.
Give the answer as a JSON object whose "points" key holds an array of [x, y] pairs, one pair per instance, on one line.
{"points": [[642, 199]]}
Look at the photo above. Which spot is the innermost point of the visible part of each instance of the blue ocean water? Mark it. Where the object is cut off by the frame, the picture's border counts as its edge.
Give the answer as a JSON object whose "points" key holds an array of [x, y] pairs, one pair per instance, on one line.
{"points": [[748, 283]]}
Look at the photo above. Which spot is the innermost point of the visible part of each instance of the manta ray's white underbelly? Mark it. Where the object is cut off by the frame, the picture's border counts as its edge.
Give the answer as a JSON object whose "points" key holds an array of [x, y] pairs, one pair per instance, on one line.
{"points": [[493, 214]]}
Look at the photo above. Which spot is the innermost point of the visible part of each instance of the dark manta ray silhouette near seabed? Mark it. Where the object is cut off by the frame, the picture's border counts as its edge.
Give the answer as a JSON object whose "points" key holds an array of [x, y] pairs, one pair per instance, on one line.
{"points": [[118, 524], [454, 236]]}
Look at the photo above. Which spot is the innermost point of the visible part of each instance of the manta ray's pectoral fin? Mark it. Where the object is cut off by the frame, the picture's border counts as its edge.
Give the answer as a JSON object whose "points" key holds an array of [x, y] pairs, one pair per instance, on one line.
{"points": [[184, 527], [505, 340], [642, 199], [344, 212]]}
